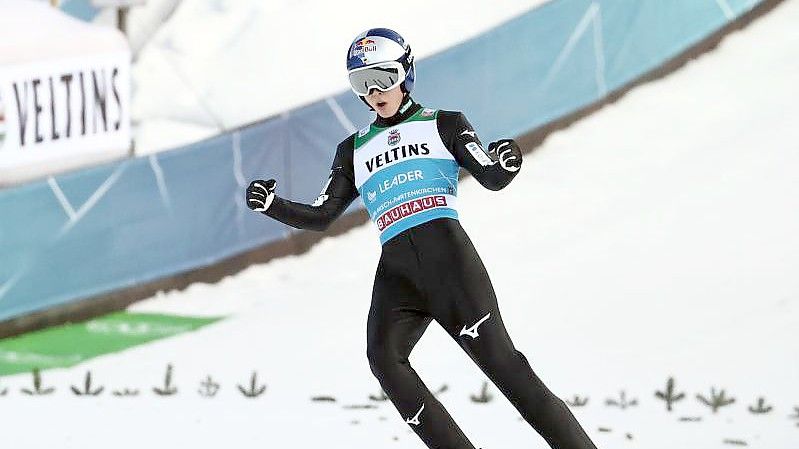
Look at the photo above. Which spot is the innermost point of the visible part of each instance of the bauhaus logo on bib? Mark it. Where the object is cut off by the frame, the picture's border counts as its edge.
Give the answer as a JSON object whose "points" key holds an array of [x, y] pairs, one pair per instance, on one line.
{"points": [[411, 207]]}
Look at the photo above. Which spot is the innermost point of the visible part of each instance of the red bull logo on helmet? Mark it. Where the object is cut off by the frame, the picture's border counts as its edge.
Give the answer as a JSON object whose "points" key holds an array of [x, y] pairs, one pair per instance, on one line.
{"points": [[362, 46]]}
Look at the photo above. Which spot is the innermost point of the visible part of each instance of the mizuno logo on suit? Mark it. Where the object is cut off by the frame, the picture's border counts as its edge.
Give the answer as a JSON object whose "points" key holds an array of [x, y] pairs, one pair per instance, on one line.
{"points": [[472, 331], [415, 420]]}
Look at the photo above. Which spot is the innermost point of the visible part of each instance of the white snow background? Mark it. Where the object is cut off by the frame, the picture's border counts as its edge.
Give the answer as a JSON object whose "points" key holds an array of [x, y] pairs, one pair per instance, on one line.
{"points": [[218, 64], [655, 238]]}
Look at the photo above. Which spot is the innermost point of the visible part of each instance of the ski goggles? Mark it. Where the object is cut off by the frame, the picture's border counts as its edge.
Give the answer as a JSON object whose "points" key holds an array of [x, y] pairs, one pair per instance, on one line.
{"points": [[382, 76]]}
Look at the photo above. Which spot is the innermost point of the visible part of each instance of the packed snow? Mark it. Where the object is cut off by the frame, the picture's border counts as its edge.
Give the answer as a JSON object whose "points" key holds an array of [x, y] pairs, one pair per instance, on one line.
{"points": [[655, 238]]}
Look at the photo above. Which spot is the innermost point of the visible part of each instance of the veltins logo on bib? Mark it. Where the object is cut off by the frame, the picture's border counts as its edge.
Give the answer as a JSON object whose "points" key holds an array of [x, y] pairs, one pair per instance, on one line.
{"points": [[394, 137]]}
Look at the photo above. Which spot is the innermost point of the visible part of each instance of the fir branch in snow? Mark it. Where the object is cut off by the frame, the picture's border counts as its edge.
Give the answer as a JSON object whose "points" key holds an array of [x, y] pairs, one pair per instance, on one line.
{"points": [[622, 402], [668, 395], [208, 388], [125, 392], [761, 407], [323, 399], [717, 399], [381, 397], [37, 386], [690, 418], [484, 397], [795, 415], [87, 387], [255, 390], [440, 390], [577, 401], [168, 389], [359, 406]]}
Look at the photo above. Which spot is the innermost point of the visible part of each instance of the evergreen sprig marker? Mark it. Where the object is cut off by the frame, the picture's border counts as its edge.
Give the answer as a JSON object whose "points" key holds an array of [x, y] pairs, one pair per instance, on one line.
{"points": [[577, 401], [208, 388], [716, 400], [760, 407], [87, 387], [254, 391], [622, 403], [37, 386], [668, 395], [168, 389], [484, 397]]}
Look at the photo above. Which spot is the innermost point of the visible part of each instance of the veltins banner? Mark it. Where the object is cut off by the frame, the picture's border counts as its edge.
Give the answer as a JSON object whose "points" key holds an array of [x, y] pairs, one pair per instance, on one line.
{"points": [[61, 114]]}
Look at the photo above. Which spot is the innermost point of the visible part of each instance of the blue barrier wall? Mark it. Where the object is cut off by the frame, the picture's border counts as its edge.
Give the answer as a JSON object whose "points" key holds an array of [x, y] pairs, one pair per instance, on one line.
{"points": [[122, 224], [82, 9]]}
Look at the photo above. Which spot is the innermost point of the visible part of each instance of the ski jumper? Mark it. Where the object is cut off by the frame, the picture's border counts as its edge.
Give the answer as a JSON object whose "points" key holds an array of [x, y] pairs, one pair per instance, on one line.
{"points": [[406, 170]]}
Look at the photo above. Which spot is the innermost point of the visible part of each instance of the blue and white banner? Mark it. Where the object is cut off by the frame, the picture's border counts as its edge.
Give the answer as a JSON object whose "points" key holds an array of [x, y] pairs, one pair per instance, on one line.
{"points": [[126, 223]]}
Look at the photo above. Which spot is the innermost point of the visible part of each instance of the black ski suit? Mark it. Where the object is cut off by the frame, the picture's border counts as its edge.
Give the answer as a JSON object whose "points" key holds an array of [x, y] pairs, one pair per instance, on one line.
{"points": [[432, 271]]}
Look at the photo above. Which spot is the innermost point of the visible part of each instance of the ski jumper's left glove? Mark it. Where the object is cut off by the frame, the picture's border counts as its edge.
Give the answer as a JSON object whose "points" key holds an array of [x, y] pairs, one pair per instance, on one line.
{"points": [[260, 194], [507, 153]]}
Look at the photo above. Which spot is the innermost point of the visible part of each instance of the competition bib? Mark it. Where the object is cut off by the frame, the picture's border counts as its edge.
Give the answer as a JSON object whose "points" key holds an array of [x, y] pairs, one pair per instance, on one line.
{"points": [[405, 174]]}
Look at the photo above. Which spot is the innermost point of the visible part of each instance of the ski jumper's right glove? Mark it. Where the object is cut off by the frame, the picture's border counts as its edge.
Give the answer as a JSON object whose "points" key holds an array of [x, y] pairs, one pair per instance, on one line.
{"points": [[260, 194]]}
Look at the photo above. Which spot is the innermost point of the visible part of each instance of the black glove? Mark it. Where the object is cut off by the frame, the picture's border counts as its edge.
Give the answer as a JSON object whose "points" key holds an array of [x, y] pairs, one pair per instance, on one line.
{"points": [[508, 154], [260, 194]]}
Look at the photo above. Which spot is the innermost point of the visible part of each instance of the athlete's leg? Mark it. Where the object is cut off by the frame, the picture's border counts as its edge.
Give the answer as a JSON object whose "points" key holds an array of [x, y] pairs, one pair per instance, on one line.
{"points": [[397, 320], [466, 307]]}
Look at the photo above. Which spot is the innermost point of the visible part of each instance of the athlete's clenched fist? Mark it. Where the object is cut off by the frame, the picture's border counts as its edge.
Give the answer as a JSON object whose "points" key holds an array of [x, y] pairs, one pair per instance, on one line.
{"points": [[260, 194], [508, 154]]}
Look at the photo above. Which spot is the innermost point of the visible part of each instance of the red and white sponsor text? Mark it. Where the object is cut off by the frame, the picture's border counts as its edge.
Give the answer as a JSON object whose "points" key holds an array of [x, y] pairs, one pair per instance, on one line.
{"points": [[409, 208]]}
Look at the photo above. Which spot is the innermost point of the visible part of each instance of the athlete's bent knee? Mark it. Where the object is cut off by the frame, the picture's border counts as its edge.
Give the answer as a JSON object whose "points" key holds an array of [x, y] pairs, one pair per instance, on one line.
{"points": [[505, 360], [382, 361]]}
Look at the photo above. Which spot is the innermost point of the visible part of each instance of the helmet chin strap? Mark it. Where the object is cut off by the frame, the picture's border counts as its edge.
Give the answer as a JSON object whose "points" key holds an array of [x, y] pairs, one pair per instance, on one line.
{"points": [[405, 99]]}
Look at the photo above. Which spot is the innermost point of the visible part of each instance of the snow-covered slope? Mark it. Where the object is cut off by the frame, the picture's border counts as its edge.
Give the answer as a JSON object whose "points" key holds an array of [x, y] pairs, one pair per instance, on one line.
{"points": [[225, 63], [655, 238]]}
